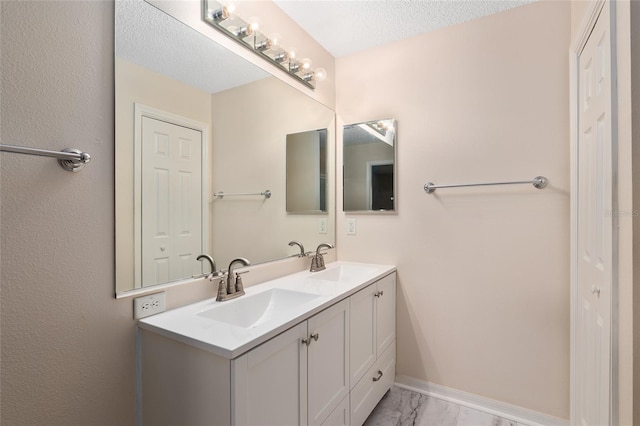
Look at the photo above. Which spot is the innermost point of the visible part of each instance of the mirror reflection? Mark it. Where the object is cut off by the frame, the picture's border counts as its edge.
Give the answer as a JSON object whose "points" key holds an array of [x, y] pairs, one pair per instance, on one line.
{"points": [[369, 166], [193, 120], [307, 172]]}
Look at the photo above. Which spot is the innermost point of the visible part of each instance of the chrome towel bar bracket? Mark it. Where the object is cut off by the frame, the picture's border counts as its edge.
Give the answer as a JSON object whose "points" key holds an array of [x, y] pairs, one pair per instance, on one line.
{"points": [[70, 159], [538, 182]]}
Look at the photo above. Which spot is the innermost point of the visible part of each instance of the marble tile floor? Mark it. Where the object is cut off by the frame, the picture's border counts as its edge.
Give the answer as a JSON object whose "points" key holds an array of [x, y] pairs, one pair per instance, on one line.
{"points": [[402, 407]]}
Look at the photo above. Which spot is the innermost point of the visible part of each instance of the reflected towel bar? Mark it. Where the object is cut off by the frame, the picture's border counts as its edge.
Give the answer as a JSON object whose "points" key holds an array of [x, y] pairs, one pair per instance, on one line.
{"points": [[539, 182], [70, 159], [220, 195]]}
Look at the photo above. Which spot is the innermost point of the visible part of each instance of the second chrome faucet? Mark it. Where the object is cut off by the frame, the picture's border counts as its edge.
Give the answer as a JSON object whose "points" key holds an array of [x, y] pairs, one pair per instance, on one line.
{"points": [[317, 261]]}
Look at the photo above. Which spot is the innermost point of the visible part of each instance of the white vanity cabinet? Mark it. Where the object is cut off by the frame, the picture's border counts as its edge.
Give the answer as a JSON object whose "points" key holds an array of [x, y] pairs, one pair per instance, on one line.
{"points": [[330, 369], [373, 333], [299, 377]]}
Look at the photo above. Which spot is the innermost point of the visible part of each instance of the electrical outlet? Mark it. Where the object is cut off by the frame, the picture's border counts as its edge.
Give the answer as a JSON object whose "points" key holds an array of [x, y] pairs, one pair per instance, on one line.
{"points": [[149, 305], [322, 226], [351, 226]]}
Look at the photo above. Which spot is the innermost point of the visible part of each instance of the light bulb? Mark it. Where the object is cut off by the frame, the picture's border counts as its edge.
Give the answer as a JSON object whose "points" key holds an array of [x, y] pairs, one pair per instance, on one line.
{"points": [[306, 64], [276, 39], [254, 24], [320, 74], [231, 8], [291, 53]]}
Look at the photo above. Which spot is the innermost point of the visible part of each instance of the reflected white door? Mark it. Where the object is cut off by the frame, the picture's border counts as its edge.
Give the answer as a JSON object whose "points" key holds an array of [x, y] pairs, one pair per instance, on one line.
{"points": [[595, 229], [171, 201]]}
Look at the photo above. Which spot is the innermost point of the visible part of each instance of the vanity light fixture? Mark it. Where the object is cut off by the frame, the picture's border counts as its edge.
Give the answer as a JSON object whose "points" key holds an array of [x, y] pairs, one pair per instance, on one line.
{"points": [[222, 17]]}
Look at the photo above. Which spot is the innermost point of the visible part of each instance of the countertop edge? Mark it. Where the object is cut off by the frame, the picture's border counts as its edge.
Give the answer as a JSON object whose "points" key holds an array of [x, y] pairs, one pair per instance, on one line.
{"points": [[244, 348]]}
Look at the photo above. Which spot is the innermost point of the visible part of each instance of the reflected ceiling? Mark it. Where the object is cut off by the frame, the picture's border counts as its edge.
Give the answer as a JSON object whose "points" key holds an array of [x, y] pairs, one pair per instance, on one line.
{"points": [[185, 56]]}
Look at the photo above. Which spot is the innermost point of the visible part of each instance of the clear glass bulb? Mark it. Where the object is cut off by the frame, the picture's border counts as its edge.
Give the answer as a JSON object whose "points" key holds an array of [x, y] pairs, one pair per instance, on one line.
{"points": [[306, 64], [320, 74], [254, 24], [276, 39]]}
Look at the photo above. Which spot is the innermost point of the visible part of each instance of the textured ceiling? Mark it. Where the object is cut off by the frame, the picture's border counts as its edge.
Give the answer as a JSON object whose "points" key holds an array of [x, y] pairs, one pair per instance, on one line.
{"points": [[149, 37], [346, 27]]}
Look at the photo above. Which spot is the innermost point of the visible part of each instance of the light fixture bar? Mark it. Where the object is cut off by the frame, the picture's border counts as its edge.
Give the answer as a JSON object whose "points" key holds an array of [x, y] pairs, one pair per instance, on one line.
{"points": [[221, 18]]}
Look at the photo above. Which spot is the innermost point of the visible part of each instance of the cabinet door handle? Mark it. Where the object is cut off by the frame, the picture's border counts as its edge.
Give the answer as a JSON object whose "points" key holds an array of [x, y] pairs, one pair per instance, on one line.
{"points": [[375, 379], [307, 342], [379, 293]]}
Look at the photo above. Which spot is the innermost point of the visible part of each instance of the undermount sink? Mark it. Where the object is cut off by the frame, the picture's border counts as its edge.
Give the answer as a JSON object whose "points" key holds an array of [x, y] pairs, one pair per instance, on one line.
{"points": [[252, 310]]}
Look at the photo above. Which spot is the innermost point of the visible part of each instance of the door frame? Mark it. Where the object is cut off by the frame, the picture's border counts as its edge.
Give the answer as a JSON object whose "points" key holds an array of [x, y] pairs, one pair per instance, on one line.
{"points": [[370, 166], [141, 111], [577, 45]]}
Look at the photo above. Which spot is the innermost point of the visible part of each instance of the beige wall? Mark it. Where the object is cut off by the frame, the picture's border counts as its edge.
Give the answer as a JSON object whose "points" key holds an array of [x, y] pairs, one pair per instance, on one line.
{"points": [[249, 154], [136, 84], [67, 345], [483, 296]]}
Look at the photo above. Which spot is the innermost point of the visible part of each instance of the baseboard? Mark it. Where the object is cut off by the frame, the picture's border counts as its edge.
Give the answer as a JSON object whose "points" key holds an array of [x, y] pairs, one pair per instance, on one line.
{"points": [[491, 406]]}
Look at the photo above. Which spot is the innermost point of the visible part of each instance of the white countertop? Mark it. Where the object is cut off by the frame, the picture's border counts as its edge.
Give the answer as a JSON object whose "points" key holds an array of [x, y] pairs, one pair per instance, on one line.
{"points": [[188, 324]]}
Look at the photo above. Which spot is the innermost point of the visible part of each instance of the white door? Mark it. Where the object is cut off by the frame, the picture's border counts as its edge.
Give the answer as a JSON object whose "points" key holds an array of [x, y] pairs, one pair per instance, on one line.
{"points": [[328, 361], [594, 229], [385, 313], [171, 201], [269, 383]]}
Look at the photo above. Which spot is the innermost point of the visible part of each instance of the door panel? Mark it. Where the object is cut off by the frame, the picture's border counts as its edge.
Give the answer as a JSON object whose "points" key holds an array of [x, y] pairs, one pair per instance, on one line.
{"points": [[595, 228], [328, 361], [171, 200]]}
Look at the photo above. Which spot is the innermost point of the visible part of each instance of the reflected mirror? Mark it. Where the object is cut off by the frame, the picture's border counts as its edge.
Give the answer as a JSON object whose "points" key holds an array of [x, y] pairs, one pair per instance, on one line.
{"points": [[369, 157], [200, 138], [307, 172]]}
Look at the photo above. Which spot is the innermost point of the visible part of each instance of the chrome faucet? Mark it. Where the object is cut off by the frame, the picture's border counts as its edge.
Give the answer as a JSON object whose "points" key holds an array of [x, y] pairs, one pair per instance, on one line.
{"points": [[317, 261], [232, 287], [214, 273], [296, 243]]}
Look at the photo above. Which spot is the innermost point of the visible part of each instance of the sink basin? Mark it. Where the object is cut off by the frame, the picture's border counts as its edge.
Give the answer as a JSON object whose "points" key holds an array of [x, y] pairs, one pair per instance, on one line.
{"points": [[252, 310], [341, 273]]}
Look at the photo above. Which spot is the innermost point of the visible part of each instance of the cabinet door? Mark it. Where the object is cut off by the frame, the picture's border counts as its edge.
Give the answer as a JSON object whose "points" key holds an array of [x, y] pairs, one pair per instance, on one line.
{"points": [[363, 335], [328, 361], [269, 383], [386, 313]]}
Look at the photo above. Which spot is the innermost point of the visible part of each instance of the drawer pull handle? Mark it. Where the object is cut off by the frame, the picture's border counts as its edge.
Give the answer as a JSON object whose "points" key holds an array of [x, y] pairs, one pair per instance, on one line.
{"points": [[375, 379], [379, 293]]}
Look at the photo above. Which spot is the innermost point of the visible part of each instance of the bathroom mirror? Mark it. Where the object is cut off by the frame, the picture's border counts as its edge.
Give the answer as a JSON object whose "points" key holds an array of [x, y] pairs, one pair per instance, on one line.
{"points": [[307, 172], [200, 138], [369, 166]]}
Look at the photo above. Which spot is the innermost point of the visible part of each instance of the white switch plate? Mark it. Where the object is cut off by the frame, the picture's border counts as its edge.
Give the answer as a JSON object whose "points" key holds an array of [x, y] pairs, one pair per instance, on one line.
{"points": [[149, 305], [351, 226], [322, 226]]}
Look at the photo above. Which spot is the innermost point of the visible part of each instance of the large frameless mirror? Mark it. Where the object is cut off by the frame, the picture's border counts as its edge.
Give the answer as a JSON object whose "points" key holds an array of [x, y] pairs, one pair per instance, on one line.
{"points": [[369, 166], [200, 139]]}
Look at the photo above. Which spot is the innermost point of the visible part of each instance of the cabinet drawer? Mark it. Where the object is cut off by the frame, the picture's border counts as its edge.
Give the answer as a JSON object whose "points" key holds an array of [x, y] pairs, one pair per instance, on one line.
{"points": [[367, 393]]}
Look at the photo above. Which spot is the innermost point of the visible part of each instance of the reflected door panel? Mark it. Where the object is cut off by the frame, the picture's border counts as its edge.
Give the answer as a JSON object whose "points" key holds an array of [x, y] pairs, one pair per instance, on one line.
{"points": [[172, 211]]}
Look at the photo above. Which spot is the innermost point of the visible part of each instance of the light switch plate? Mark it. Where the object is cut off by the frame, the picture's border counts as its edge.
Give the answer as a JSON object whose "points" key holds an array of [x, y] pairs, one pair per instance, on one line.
{"points": [[351, 226], [322, 226]]}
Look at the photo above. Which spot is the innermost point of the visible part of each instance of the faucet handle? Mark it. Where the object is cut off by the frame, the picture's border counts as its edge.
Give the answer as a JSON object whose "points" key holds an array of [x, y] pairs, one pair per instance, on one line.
{"points": [[222, 290], [239, 285]]}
